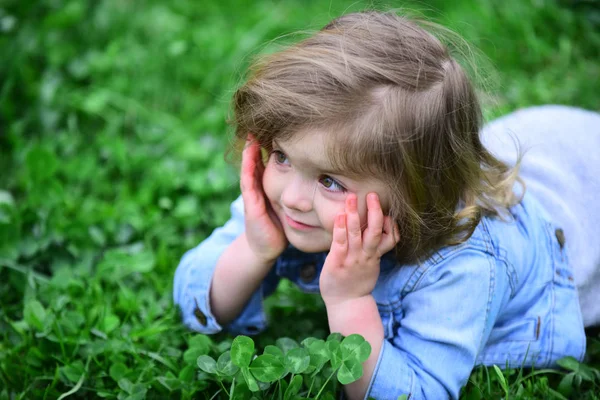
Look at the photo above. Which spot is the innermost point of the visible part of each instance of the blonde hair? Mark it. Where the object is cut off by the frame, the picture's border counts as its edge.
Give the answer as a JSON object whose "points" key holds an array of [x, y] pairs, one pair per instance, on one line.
{"points": [[399, 108]]}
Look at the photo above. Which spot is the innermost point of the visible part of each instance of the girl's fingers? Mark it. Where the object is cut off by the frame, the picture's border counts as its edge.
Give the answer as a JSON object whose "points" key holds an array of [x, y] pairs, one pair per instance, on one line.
{"points": [[373, 233], [353, 223], [259, 170], [391, 235], [248, 166], [250, 181], [339, 245]]}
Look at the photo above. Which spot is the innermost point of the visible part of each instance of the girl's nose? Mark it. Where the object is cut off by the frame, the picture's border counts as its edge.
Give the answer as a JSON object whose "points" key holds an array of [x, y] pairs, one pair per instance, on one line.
{"points": [[298, 195]]}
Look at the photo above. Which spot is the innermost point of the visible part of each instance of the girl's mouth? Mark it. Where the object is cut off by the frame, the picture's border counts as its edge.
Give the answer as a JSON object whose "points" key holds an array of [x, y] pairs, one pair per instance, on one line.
{"points": [[298, 225]]}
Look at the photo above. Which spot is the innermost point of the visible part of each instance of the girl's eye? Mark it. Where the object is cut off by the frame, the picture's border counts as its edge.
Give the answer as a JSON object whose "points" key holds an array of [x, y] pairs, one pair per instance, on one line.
{"points": [[280, 158], [331, 184]]}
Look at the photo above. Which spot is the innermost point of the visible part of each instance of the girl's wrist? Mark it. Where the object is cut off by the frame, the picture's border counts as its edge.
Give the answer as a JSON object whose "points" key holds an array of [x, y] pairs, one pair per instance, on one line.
{"points": [[355, 315], [343, 304], [260, 262]]}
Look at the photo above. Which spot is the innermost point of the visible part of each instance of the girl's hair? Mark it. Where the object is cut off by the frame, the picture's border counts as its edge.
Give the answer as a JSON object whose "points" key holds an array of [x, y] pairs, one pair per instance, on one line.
{"points": [[396, 106]]}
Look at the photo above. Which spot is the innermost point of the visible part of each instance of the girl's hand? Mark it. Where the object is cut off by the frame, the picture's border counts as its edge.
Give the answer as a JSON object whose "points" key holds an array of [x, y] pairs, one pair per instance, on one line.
{"points": [[263, 229], [352, 265]]}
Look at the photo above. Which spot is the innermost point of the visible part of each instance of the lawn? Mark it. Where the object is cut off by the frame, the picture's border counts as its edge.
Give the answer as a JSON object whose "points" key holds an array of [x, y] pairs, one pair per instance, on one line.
{"points": [[112, 132]]}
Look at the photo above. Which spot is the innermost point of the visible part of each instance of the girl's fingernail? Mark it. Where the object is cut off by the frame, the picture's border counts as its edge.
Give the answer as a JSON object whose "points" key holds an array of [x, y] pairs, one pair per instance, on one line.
{"points": [[352, 202], [373, 196]]}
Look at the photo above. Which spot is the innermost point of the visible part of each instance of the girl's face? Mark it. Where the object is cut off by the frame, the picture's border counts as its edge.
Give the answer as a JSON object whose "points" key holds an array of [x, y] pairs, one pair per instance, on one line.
{"points": [[306, 195]]}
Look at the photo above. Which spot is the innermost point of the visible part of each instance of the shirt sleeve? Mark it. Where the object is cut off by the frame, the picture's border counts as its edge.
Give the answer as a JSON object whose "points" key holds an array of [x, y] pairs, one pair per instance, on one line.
{"points": [[193, 278], [446, 320]]}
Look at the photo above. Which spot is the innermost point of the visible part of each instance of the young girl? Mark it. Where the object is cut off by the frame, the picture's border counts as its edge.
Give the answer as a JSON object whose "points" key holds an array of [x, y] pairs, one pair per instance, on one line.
{"points": [[378, 193]]}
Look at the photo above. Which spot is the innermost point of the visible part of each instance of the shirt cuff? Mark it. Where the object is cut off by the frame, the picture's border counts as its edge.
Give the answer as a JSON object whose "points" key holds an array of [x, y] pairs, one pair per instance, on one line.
{"points": [[391, 377], [191, 291]]}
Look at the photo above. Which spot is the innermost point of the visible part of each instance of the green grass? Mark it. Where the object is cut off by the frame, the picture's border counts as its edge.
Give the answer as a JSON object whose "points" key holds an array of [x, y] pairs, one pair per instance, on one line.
{"points": [[112, 129]]}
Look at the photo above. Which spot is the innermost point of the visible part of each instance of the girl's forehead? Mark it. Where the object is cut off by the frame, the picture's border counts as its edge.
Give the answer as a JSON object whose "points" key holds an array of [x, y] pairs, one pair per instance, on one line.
{"points": [[309, 149], [324, 150]]}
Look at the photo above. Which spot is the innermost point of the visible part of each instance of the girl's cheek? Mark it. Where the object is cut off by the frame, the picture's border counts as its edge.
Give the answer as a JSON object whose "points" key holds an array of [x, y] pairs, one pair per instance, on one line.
{"points": [[327, 210], [269, 182]]}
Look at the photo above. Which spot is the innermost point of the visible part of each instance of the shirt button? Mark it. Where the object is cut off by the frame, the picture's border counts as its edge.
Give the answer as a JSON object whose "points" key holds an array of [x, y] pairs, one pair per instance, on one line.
{"points": [[308, 273], [560, 236], [200, 316], [252, 330]]}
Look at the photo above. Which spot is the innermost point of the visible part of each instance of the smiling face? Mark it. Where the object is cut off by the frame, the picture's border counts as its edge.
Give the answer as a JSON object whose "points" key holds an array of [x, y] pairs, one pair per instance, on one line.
{"points": [[306, 195]]}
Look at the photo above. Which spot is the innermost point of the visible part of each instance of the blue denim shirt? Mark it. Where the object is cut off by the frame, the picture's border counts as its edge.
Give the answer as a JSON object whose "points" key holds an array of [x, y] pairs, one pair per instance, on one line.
{"points": [[506, 296]]}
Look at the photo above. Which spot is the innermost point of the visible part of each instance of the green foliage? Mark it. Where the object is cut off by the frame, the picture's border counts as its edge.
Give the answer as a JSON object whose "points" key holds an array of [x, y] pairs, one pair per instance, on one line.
{"points": [[583, 382], [290, 370], [112, 133]]}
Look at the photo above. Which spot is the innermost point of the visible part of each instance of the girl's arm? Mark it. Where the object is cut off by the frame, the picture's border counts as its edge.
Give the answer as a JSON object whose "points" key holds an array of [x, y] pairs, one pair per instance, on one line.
{"points": [[349, 276], [218, 280], [234, 282], [194, 279], [360, 316]]}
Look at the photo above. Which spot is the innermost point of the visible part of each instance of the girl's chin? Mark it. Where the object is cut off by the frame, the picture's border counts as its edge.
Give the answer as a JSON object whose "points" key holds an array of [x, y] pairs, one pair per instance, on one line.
{"points": [[309, 246]]}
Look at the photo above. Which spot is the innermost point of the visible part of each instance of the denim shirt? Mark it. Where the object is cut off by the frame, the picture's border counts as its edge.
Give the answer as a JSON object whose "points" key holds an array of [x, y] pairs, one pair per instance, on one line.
{"points": [[506, 296]]}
